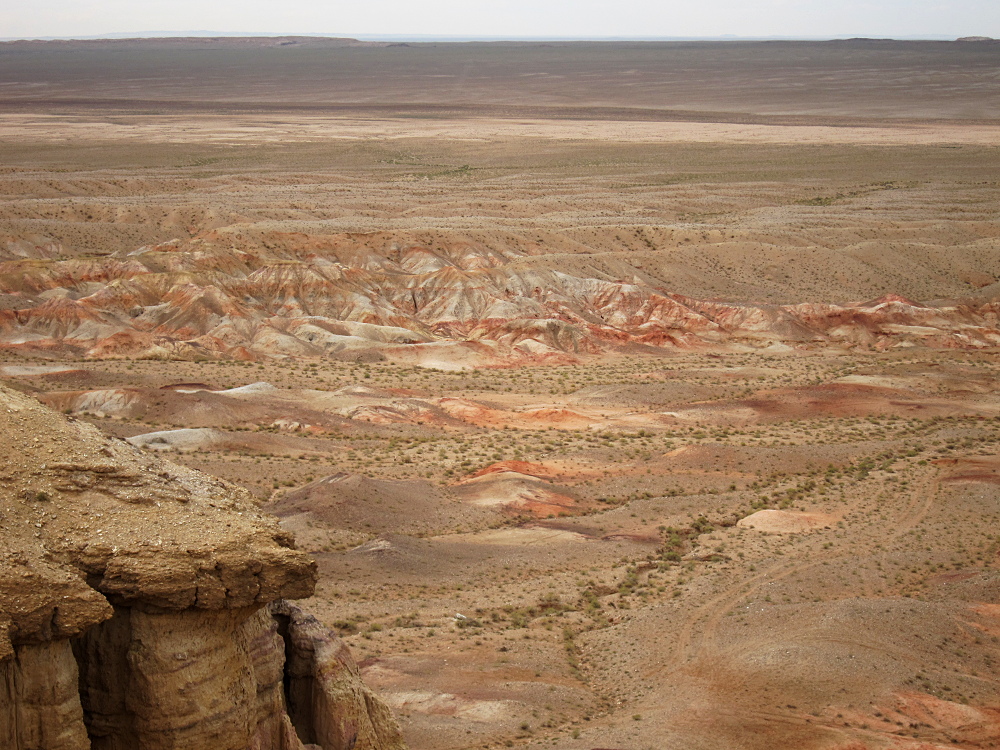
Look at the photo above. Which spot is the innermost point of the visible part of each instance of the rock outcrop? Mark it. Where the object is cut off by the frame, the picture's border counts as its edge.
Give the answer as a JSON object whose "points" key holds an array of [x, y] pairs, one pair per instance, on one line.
{"points": [[328, 704], [142, 607]]}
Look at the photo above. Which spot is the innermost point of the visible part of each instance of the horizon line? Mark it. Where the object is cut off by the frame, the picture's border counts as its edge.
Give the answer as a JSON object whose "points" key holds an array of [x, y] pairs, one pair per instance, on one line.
{"points": [[368, 37]]}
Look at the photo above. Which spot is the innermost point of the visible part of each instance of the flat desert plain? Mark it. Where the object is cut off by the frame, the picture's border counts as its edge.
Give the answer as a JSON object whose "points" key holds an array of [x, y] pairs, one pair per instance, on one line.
{"points": [[629, 395]]}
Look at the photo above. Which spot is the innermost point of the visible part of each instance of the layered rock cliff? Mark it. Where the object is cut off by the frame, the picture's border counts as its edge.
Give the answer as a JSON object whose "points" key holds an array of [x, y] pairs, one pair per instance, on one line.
{"points": [[142, 606]]}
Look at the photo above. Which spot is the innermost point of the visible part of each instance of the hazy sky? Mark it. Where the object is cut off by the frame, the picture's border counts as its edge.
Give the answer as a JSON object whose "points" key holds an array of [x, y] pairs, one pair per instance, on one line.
{"points": [[555, 18]]}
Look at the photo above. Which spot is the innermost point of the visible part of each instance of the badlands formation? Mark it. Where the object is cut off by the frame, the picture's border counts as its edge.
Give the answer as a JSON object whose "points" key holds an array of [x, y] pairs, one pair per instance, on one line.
{"points": [[615, 396]]}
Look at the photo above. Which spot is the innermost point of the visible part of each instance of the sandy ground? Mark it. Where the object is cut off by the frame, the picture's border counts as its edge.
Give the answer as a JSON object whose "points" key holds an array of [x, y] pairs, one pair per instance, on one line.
{"points": [[545, 586], [231, 130]]}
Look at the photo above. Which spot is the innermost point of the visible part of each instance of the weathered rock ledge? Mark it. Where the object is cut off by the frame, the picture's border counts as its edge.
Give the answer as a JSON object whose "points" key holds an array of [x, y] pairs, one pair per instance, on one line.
{"points": [[143, 607]]}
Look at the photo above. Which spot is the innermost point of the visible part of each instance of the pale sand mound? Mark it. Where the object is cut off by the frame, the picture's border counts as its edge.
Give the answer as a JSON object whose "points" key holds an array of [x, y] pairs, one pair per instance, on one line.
{"points": [[786, 522], [16, 371], [516, 491], [362, 391], [448, 356], [448, 704], [250, 389], [528, 468], [410, 411], [105, 402], [178, 440], [527, 536]]}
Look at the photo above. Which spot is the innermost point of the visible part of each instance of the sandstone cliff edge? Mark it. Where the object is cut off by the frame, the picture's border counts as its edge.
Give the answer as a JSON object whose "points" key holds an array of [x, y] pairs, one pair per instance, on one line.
{"points": [[143, 606]]}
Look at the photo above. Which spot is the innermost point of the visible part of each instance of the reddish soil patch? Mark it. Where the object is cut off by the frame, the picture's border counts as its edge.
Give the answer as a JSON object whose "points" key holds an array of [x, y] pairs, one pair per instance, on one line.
{"points": [[559, 418], [785, 522], [986, 469], [963, 575], [842, 400]]}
